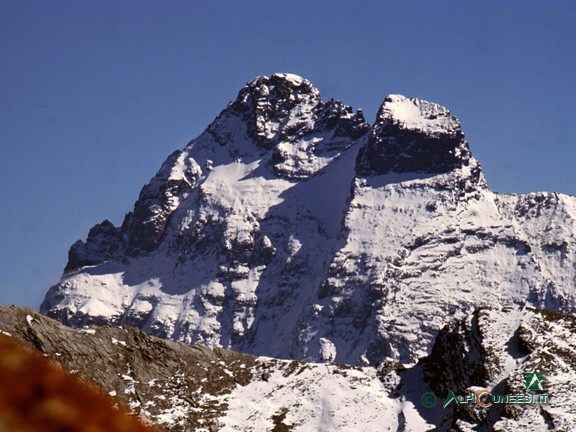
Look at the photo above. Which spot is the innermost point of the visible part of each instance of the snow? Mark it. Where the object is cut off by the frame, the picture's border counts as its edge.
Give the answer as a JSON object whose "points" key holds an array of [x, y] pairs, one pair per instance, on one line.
{"points": [[327, 350], [403, 109], [330, 396], [95, 307], [116, 342], [316, 397], [416, 114], [553, 350], [235, 187], [424, 265], [413, 420], [292, 78], [429, 265]]}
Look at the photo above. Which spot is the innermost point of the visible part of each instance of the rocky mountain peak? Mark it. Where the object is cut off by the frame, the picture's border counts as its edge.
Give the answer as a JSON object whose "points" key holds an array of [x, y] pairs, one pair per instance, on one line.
{"points": [[279, 86], [266, 102], [283, 120], [413, 136]]}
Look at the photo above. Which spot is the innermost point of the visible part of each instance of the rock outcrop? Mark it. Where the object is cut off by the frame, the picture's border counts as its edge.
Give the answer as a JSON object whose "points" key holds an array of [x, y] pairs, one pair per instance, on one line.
{"points": [[493, 350]]}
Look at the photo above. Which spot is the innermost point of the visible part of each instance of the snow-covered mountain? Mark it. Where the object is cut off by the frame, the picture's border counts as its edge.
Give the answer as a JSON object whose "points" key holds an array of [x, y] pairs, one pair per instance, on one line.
{"points": [[291, 228]]}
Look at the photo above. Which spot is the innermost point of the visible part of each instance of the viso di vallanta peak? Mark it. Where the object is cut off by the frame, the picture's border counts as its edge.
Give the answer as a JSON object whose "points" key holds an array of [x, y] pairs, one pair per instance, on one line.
{"points": [[292, 228]]}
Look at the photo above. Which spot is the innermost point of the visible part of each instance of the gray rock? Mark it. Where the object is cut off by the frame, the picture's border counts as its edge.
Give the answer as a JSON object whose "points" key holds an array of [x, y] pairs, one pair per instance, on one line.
{"points": [[168, 383]]}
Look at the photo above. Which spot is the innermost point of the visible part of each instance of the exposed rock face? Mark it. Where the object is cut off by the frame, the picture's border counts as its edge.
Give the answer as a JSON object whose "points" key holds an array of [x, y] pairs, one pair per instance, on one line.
{"points": [[493, 349], [266, 104], [144, 228], [286, 107], [101, 245], [413, 136], [291, 228]]}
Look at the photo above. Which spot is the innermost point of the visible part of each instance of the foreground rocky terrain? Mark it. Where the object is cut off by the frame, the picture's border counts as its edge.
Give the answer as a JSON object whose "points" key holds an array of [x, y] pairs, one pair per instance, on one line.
{"points": [[181, 388], [37, 395]]}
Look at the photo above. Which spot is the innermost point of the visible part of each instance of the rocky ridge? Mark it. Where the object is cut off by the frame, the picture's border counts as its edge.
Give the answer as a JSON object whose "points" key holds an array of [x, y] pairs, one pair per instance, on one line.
{"points": [[179, 387]]}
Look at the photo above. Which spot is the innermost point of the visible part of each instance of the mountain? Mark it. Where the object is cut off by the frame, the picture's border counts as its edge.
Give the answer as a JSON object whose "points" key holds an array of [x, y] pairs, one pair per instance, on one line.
{"points": [[291, 228], [178, 387]]}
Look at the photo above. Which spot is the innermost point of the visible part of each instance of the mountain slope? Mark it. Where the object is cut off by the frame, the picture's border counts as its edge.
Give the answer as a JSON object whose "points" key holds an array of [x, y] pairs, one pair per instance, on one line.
{"points": [[180, 387], [183, 388], [291, 228]]}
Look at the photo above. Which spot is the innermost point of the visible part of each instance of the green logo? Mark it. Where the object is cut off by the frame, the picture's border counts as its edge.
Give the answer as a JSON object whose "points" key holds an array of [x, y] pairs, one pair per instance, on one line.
{"points": [[429, 400], [449, 399], [534, 381]]}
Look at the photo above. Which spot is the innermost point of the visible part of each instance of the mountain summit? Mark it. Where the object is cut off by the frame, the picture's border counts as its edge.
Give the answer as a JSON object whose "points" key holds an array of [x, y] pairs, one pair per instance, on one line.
{"points": [[292, 228], [412, 135]]}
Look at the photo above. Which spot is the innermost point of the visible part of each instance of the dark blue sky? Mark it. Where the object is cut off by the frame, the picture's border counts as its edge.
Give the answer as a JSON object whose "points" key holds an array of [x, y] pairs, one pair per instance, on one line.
{"points": [[94, 95]]}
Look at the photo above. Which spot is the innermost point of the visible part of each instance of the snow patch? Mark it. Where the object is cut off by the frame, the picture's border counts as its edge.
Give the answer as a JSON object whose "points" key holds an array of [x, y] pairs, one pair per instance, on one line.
{"points": [[416, 114], [314, 397]]}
